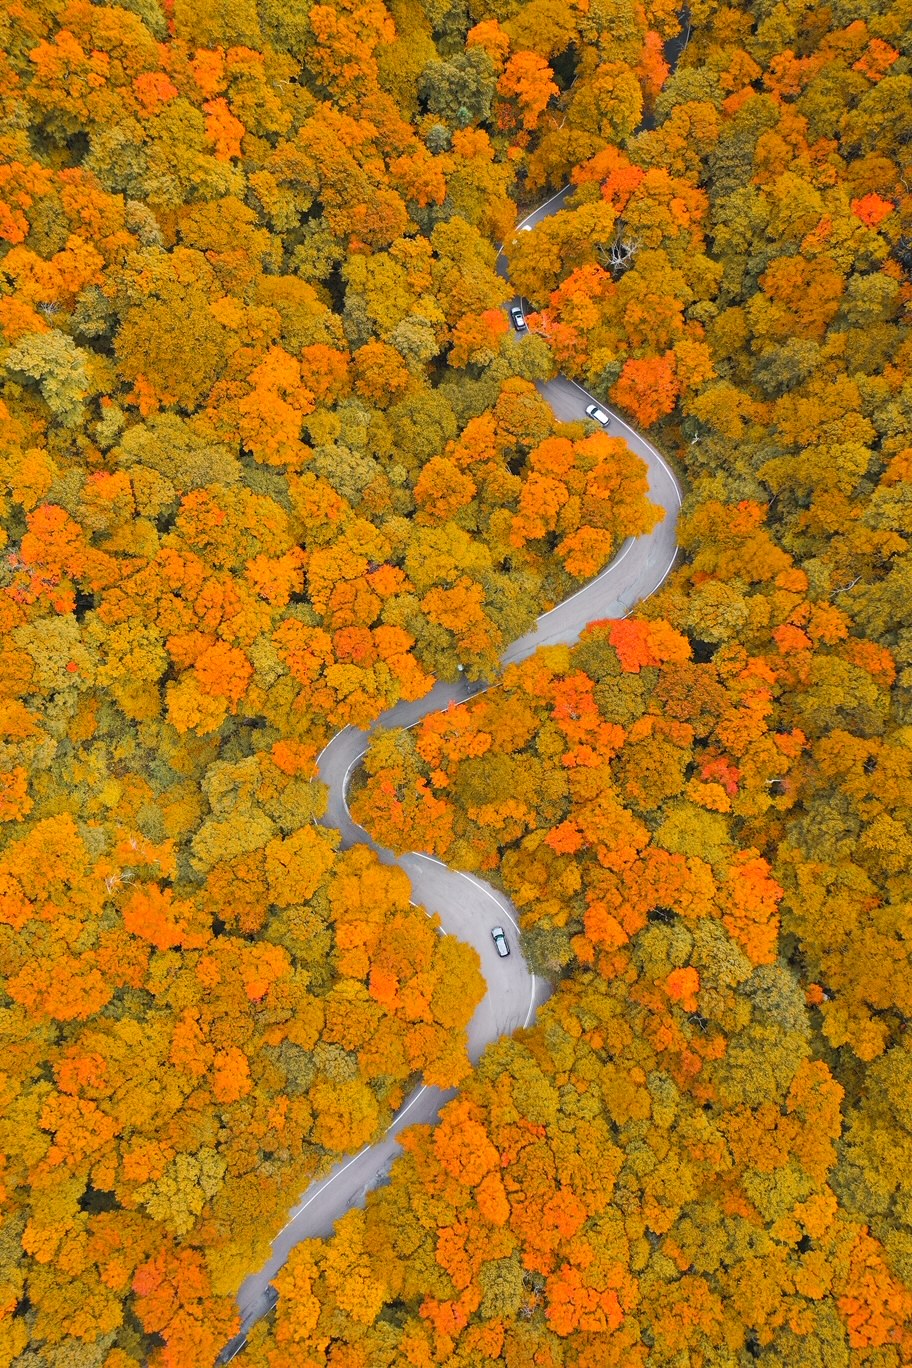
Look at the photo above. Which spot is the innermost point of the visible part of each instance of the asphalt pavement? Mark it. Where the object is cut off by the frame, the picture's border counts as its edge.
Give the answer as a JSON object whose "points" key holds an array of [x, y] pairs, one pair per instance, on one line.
{"points": [[467, 906]]}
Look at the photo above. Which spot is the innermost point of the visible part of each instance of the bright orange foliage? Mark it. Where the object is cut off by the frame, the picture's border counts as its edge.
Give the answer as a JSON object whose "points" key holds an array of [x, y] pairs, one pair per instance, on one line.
{"points": [[274, 461]]}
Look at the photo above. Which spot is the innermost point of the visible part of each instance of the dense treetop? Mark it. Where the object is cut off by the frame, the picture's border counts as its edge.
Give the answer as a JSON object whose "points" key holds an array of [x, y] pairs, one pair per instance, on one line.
{"points": [[272, 460], [702, 814]]}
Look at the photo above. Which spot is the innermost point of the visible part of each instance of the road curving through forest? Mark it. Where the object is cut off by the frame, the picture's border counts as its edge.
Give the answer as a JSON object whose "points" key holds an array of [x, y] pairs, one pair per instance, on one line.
{"points": [[467, 906]]}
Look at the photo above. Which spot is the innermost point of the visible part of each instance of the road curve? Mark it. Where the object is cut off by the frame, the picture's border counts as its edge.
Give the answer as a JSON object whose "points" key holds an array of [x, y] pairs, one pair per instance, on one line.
{"points": [[467, 906]]}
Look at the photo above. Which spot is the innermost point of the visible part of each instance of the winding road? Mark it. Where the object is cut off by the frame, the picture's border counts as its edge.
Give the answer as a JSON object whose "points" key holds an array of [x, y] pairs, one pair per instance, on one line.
{"points": [[467, 906]]}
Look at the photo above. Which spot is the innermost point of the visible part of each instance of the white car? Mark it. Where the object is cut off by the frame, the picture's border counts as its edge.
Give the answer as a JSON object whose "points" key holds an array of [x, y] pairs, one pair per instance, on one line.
{"points": [[519, 321], [500, 940], [598, 415]]}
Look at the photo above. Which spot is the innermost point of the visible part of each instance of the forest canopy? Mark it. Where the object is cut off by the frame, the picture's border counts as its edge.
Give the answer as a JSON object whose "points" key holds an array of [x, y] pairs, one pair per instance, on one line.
{"points": [[273, 460]]}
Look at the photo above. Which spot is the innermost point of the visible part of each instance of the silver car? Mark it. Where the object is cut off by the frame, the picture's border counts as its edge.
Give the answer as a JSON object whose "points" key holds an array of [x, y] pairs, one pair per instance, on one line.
{"points": [[500, 940], [598, 415], [519, 321]]}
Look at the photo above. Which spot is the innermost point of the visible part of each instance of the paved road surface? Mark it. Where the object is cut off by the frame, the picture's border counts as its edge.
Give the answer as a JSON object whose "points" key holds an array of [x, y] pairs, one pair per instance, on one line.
{"points": [[467, 906]]}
